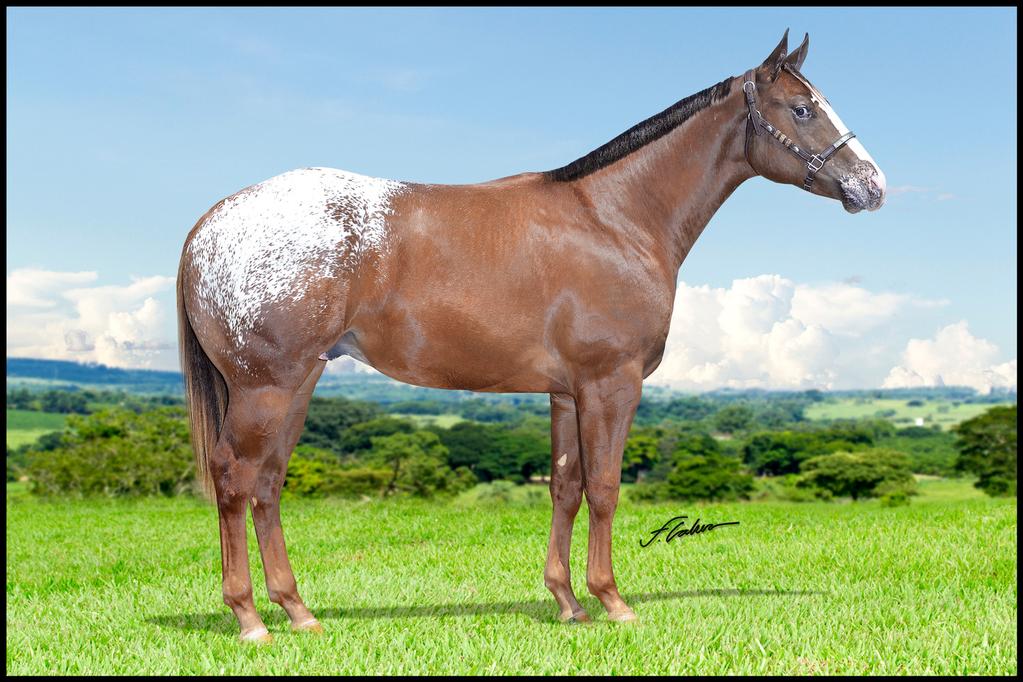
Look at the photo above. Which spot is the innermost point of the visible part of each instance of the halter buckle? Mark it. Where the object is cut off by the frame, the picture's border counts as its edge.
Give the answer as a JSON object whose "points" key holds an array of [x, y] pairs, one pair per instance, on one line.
{"points": [[815, 163]]}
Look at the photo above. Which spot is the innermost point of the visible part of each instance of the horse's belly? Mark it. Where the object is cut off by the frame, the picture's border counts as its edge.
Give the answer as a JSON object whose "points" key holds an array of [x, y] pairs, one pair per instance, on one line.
{"points": [[455, 355]]}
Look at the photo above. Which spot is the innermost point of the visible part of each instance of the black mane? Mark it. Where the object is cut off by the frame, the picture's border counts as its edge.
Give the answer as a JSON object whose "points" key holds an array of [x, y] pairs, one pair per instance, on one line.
{"points": [[641, 134]]}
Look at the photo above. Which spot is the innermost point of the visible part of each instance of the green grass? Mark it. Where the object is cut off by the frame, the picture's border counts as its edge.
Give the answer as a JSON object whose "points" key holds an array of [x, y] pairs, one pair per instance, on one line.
{"points": [[445, 421], [133, 587], [941, 412], [933, 488], [25, 426]]}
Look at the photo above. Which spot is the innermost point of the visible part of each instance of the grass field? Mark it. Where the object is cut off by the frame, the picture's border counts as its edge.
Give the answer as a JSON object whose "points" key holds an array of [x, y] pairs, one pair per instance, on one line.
{"points": [[123, 587], [25, 426], [941, 412]]}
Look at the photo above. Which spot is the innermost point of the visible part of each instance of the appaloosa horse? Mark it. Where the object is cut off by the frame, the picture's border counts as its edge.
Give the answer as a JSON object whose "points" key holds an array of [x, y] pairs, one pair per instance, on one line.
{"points": [[559, 282]]}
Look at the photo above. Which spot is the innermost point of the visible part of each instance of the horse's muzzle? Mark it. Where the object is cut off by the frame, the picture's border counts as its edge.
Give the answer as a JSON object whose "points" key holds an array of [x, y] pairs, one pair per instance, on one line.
{"points": [[863, 188]]}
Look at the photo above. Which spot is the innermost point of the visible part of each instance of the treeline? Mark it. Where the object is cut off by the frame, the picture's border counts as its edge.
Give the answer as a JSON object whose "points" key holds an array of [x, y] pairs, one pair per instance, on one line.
{"points": [[685, 448], [84, 401], [349, 448], [514, 447], [841, 460]]}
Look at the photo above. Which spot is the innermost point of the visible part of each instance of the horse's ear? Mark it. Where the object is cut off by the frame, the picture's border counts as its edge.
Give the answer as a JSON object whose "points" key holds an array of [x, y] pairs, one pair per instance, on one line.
{"points": [[796, 59], [775, 59]]}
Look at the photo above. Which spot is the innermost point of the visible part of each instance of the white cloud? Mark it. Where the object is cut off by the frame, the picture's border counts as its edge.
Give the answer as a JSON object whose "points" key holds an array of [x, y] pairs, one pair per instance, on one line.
{"points": [[32, 288], [770, 332], [954, 357], [744, 336], [937, 194], [348, 365], [907, 189], [120, 326], [844, 308]]}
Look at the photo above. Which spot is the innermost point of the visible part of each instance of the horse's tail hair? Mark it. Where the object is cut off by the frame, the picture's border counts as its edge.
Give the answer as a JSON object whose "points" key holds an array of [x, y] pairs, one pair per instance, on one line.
{"points": [[205, 394]]}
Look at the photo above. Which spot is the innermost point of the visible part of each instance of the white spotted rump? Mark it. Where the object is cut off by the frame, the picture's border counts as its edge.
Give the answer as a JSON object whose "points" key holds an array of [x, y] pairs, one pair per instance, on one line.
{"points": [[262, 246]]}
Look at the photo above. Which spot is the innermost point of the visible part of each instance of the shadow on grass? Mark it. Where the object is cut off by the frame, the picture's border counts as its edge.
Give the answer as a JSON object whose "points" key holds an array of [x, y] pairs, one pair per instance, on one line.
{"points": [[543, 611]]}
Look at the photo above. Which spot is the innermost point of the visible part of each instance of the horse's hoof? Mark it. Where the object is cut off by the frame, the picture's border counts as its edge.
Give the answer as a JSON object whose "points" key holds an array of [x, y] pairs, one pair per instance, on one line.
{"points": [[577, 617], [257, 636], [626, 616], [311, 626]]}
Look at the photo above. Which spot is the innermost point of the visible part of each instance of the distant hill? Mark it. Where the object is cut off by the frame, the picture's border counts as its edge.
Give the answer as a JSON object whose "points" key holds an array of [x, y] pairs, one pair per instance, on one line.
{"points": [[49, 374], [62, 373]]}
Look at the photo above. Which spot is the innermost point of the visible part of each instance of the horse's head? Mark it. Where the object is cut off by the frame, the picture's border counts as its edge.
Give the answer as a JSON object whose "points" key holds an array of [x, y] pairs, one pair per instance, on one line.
{"points": [[794, 136]]}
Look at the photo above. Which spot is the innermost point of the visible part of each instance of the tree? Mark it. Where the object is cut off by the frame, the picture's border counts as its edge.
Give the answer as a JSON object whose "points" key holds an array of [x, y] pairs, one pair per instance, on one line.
{"points": [[117, 452], [702, 472], [987, 449], [19, 399], [495, 451], [314, 472], [65, 402], [781, 452], [464, 441], [684, 408], [708, 477], [359, 436], [642, 451], [733, 418], [328, 418], [859, 474], [930, 450], [417, 464], [532, 451]]}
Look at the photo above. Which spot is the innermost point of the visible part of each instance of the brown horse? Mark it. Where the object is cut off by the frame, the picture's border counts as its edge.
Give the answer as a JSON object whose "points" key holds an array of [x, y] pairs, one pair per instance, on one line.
{"points": [[559, 282]]}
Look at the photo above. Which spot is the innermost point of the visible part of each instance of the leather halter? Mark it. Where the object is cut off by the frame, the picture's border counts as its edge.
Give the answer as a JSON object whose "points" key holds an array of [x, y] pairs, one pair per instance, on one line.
{"points": [[814, 162]]}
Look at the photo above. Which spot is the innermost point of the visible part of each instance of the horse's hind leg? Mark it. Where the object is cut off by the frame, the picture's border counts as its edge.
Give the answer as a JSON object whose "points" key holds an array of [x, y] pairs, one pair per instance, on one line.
{"points": [[266, 513], [249, 437], [566, 494]]}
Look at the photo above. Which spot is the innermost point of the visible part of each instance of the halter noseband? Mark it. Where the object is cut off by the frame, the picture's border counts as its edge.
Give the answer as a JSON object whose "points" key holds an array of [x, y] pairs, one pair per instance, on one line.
{"points": [[814, 162]]}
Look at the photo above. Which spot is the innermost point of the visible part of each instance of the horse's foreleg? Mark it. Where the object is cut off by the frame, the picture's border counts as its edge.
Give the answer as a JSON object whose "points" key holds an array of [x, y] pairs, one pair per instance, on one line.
{"points": [[266, 513], [566, 494], [606, 407]]}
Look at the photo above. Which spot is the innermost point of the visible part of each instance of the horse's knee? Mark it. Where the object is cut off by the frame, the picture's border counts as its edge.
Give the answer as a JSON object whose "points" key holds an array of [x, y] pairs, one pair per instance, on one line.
{"points": [[602, 497], [566, 495]]}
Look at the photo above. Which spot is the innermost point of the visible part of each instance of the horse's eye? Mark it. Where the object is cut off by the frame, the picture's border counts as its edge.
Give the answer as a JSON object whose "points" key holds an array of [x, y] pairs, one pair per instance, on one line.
{"points": [[801, 111]]}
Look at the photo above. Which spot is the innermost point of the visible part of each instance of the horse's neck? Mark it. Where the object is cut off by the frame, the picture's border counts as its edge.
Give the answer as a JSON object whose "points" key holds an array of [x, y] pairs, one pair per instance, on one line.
{"points": [[671, 187]]}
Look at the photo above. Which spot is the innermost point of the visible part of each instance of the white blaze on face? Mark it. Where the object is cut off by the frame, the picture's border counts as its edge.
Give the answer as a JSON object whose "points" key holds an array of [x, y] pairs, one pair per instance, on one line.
{"points": [[263, 245], [854, 144]]}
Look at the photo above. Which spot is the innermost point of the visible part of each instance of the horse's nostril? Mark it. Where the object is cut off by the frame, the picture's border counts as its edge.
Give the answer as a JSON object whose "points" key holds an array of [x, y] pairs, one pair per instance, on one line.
{"points": [[877, 190], [879, 181]]}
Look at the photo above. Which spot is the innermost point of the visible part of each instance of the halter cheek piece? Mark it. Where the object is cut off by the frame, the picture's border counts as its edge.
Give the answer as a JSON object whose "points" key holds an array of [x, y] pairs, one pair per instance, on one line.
{"points": [[814, 162]]}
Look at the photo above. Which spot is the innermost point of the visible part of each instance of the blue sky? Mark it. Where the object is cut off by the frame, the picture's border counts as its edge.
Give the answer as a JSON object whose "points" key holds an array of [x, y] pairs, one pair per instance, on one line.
{"points": [[124, 126]]}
